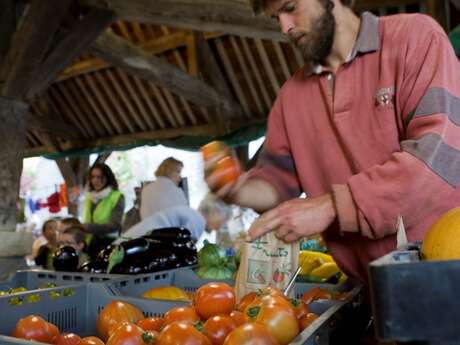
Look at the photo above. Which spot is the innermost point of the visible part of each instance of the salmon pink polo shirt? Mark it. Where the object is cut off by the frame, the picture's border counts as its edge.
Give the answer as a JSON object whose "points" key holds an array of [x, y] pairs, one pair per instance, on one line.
{"points": [[381, 135]]}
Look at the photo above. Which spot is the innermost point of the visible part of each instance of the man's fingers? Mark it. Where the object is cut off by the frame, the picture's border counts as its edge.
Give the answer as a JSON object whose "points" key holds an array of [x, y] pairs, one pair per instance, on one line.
{"points": [[291, 237], [261, 227], [282, 232]]}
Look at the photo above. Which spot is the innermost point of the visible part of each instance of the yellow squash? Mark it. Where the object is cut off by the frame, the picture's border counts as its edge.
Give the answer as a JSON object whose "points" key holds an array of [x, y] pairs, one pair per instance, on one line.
{"points": [[442, 242], [171, 293]]}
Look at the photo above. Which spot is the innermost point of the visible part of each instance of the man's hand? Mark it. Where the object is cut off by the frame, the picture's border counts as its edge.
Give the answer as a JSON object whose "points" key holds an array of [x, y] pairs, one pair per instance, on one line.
{"points": [[296, 218]]}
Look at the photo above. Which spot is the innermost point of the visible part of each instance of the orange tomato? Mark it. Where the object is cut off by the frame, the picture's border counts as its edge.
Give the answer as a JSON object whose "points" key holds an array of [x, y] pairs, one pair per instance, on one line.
{"points": [[181, 333], [34, 327], [183, 314], [115, 313], [315, 294], [151, 323], [278, 318], [130, 334], [68, 339], [226, 170], [91, 341], [245, 301], [238, 317], [306, 320], [214, 299], [250, 334], [300, 308], [218, 327], [213, 148]]}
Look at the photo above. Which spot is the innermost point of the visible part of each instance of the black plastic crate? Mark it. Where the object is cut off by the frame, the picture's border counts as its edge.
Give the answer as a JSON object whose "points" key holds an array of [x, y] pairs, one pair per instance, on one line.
{"points": [[414, 300]]}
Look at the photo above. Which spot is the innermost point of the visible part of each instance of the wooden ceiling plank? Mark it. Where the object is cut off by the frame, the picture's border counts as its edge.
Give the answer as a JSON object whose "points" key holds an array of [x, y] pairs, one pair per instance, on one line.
{"points": [[94, 107], [232, 17], [267, 65], [153, 109], [173, 105], [82, 34], [83, 67], [140, 108], [298, 56], [77, 113], [88, 114], [247, 74], [35, 35], [63, 108], [102, 101], [138, 62], [46, 124], [123, 30], [138, 32], [366, 5], [31, 140], [108, 90], [255, 70], [232, 76], [159, 97], [7, 25], [282, 60]]}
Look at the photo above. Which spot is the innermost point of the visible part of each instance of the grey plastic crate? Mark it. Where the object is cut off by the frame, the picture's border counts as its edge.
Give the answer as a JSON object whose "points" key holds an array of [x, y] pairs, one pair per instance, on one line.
{"points": [[39, 279], [77, 308]]}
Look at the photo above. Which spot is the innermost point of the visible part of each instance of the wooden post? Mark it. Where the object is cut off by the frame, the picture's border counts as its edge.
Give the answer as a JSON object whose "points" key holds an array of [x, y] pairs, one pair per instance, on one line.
{"points": [[243, 155], [13, 134], [438, 10]]}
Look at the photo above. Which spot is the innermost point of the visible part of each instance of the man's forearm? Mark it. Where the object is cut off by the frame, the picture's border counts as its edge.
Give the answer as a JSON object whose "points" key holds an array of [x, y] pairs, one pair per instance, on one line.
{"points": [[257, 194]]}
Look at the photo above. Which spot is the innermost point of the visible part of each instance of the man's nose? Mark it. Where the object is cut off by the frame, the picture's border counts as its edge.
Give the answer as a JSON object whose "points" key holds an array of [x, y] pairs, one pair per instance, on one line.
{"points": [[286, 23]]}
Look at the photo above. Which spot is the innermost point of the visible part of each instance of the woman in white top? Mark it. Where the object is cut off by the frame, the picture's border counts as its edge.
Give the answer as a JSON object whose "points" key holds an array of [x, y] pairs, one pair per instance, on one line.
{"points": [[164, 192]]}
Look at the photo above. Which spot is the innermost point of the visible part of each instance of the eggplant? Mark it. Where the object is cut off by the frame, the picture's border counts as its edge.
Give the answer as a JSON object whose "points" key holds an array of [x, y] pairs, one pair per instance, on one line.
{"points": [[186, 257], [162, 260], [103, 256], [93, 267], [135, 267], [65, 259], [169, 234]]}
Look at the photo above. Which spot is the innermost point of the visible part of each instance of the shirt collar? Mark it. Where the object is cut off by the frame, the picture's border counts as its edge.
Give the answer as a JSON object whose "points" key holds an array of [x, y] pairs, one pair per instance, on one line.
{"points": [[368, 40]]}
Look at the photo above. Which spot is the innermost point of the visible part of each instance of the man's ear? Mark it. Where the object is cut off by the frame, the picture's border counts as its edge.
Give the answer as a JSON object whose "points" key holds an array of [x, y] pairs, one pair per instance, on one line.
{"points": [[81, 245]]}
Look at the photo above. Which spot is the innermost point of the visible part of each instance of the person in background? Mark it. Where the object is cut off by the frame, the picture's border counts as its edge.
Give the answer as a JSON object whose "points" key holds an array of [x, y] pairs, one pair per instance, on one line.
{"points": [[133, 216], [103, 209], [74, 236], [67, 223], [164, 192], [44, 256], [211, 215]]}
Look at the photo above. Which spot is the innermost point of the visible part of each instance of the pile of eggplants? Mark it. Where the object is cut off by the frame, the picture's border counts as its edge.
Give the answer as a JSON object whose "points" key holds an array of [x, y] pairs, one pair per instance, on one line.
{"points": [[161, 249]]}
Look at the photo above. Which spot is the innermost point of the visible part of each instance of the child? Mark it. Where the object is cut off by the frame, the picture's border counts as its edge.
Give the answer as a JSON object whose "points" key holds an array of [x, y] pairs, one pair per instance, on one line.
{"points": [[74, 236], [44, 255]]}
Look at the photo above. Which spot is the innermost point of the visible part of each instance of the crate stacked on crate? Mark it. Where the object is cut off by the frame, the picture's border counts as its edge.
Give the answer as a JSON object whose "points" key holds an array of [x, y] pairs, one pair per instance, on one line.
{"points": [[415, 300]]}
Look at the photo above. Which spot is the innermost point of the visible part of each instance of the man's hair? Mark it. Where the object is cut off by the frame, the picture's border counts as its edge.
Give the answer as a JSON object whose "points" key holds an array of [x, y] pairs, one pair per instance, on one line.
{"points": [[68, 222], [77, 232], [258, 6]]}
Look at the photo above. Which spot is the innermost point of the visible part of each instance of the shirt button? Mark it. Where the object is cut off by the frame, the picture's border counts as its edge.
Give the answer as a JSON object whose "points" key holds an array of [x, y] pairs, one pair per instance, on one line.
{"points": [[329, 76]]}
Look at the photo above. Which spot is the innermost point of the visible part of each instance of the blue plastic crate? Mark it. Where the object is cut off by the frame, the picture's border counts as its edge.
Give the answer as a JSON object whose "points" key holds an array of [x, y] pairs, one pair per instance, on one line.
{"points": [[39, 279]]}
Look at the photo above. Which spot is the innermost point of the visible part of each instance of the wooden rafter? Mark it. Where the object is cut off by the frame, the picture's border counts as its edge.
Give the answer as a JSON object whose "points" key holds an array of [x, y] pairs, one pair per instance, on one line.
{"points": [[7, 25], [35, 35], [136, 61], [81, 35], [48, 124], [228, 16]]}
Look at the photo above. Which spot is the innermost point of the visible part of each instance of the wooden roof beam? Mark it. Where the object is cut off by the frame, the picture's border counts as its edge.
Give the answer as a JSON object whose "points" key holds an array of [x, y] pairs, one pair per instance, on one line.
{"points": [[46, 124], [82, 34], [136, 61], [30, 44], [228, 16]]}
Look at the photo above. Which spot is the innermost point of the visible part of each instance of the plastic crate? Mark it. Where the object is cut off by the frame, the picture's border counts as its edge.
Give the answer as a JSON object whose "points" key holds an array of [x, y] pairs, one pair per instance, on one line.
{"points": [[414, 300], [39, 279], [77, 308]]}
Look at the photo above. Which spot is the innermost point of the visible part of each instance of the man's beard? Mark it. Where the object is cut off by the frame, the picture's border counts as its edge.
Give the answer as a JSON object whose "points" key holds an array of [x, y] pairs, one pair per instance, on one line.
{"points": [[316, 45]]}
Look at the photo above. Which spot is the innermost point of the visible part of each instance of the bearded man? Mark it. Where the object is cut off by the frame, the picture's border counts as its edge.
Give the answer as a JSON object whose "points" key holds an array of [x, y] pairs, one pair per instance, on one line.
{"points": [[368, 129]]}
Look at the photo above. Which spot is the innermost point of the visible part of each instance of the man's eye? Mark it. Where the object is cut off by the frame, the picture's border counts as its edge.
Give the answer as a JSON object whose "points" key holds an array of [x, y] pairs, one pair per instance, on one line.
{"points": [[289, 8], [275, 17]]}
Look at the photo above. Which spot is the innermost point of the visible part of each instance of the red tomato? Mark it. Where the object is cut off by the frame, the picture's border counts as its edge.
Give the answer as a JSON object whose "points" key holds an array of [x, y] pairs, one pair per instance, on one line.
{"points": [[185, 314], [181, 333], [68, 339], [218, 327], [315, 294], [306, 320], [213, 148], [114, 313], [91, 341], [279, 320], [299, 307], [34, 327], [151, 323], [130, 334], [250, 334], [238, 317], [214, 299], [245, 301]]}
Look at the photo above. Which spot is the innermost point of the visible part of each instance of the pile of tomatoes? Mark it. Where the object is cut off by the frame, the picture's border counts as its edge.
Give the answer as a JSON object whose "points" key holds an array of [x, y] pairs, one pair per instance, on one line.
{"points": [[214, 318]]}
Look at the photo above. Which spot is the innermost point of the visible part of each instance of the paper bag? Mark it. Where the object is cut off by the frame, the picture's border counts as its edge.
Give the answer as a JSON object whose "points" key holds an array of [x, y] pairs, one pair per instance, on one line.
{"points": [[266, 261]]}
